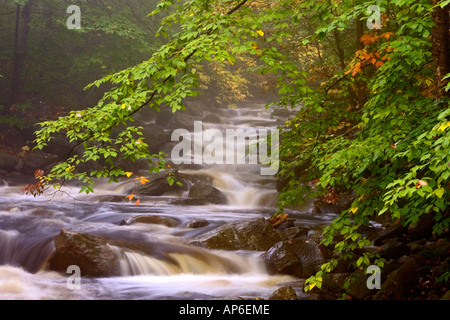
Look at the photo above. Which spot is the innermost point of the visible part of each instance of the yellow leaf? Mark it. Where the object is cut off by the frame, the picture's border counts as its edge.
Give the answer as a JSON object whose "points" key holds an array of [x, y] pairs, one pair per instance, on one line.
{"points": [[444, 126], [144, 180], [353, 210], [260, 32], [311, 286], [124, 106], [129, 174], [230, 61]]}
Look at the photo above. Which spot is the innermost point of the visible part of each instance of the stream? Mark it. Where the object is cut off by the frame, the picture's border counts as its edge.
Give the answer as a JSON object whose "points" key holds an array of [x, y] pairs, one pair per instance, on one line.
{"points": [[29, 225]]}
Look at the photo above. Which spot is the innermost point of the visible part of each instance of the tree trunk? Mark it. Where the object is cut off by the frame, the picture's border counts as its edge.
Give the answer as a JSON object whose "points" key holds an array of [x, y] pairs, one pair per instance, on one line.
{"points": [[441, 48], [23, 18]]}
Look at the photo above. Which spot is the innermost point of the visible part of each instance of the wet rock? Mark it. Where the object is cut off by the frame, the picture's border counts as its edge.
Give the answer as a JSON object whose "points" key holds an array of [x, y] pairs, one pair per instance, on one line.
{"points": [[194, 224], [358, 289], [8, 161], [332, 286], [296, 232], [250, 234], [400, 282], [151, 219], [281, 113], [91, 253], [109, 198], [156, 137], [181, 120], [211, 118], [393, 231], [284, 293], [37, 160], [159, 185], [294, 257], [393, 249], [205, 191]]}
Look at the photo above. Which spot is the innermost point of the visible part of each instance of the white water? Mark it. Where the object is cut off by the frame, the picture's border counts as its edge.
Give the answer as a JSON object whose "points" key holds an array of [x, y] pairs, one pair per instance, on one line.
{"points": [[28, 227]]}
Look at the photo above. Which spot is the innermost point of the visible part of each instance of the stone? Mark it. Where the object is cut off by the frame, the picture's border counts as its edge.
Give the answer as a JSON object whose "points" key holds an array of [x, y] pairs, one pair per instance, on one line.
{"points": [[401, 281], [8, 161], [295, 257], [194, 224], [393, 249], [91, 253], [393, 231], [249, 234], [159, 185], [284, 293], [205, 191], [211, 118], [152, 219]]}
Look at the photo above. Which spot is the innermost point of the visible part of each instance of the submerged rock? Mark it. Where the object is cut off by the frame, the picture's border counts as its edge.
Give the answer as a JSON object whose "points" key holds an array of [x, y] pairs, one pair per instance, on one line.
{"points": [[152, 219], [250, 234]]}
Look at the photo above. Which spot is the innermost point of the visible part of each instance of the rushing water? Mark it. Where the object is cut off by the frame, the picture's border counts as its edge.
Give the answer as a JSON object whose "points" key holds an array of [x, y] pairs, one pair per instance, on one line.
{"points": [[176, 270]]}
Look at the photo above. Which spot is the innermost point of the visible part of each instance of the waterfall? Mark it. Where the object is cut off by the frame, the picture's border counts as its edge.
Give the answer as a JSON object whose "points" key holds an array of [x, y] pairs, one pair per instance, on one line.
{"points": [[193, 261]]}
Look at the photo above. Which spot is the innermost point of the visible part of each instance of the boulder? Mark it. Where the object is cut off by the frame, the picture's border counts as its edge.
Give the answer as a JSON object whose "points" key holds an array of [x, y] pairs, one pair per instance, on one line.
{"points": [[152, 219], [156, 137], [250, 234], [295, 257], [332, 286], [358, 289], [91, 253], [207, 192], [400, 282], [394, 248], [8, 161], [181, 120], [296, 232], [396, 230], [159, 185], [284, 293]]}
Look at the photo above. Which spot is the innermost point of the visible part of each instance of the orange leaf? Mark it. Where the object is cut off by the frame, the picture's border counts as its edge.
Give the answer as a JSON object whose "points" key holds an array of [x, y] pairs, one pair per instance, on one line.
{"points": [[138, 201], [379, 64], [143, 180], [130, 197]]}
